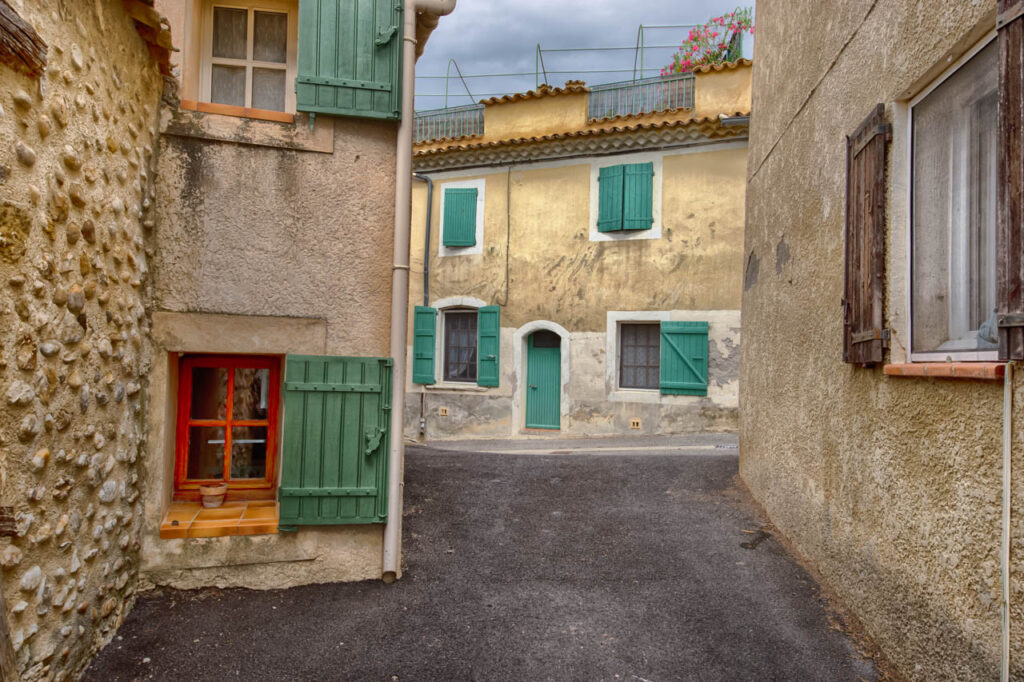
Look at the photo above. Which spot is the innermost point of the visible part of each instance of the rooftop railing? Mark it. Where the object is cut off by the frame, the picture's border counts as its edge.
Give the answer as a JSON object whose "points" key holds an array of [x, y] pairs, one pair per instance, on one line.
{"points": [[438, 124], [641, 96]]}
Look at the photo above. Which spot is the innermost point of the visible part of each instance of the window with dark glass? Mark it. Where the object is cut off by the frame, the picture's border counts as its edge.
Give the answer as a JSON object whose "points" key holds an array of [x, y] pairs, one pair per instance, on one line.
{"points": [[227, 423], [460, 339], [639, 356]]}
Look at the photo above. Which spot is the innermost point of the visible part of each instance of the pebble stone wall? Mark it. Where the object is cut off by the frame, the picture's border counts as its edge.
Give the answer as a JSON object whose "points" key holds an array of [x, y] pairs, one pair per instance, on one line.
{"points": [[76, 187]]}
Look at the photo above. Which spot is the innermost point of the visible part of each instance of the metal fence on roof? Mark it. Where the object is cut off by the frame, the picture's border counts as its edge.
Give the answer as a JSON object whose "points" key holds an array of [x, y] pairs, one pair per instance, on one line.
{"points": [[452, 122], [641, 96]]}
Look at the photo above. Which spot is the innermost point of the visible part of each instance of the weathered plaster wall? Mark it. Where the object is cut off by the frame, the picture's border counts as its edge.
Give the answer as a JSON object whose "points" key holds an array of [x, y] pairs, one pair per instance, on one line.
{"points": [[890, 486], [76, 174], [541, 116], [287, 234], [542, 220]]}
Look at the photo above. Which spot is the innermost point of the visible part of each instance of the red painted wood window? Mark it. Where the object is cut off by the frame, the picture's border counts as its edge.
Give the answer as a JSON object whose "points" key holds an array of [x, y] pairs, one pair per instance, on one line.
{"points": [[227, 425]]}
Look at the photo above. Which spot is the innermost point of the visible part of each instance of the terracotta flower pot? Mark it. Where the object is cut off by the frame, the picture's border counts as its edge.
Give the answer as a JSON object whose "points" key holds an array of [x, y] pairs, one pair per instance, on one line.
{"points": [[213, 495]]}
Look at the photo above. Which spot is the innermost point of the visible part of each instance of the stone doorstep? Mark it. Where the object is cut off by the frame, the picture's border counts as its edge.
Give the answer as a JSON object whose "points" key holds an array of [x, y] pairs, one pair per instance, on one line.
{"points": [[192, 520]]}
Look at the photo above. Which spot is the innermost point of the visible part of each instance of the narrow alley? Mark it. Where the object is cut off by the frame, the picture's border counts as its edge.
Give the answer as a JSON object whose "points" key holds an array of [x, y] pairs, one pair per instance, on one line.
{"points": [[624, 559]]}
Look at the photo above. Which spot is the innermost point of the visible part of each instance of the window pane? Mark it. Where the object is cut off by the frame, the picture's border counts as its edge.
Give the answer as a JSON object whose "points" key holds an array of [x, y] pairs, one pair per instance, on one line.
{"points": [[639, 356], [953, 210], [270, 37], [251, 393], [248, 451], [229, 29], [227, 85], [268, 89], [460, 346], [206, 452], [209, 393]]}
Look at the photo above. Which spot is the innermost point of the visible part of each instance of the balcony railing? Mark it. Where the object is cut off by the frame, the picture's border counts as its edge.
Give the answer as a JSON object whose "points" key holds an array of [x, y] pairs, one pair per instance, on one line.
{"points": [[453, 122], [641, 96]]}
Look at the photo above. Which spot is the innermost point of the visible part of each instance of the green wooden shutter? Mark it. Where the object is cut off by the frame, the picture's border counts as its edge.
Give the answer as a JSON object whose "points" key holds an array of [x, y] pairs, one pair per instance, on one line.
{"points": [[334, 464], [459, 217], [684, 358], [424, 326], [488, 344], [609, 204], [350, 58], [637, 211]]}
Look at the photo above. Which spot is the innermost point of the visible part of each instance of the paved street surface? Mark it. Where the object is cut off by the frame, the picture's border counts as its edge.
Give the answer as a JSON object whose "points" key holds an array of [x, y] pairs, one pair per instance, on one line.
{"points": [[627, 559]]}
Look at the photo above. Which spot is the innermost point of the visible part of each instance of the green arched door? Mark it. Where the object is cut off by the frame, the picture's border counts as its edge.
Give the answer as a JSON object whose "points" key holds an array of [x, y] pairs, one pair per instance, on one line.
{"points": [[543, 380]]}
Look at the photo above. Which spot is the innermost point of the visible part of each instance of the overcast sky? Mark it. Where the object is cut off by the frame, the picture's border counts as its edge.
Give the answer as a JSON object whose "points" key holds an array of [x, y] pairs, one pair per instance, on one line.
{"points": [[501, 36]]}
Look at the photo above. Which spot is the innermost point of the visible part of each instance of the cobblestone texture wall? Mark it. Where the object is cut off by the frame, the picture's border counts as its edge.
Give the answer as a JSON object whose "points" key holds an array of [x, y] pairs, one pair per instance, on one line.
{"points": [[76, 174]]}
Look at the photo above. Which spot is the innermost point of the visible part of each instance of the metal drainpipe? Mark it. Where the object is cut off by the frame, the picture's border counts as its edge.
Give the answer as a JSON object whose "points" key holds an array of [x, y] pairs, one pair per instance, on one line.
{"points": [[426, 240], [1004, 545], [426, 280], [400, 281]]}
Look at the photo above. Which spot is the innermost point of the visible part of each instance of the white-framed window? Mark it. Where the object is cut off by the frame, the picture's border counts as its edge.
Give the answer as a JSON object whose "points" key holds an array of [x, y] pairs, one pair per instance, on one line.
{"points": [[459, 345], [646, 194], [249, 54], [473, 231], [952, 252]]}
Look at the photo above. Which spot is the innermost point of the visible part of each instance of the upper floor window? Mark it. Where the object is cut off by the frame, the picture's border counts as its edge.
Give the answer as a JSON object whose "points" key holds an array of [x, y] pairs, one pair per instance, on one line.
{"points": [[249, 54], [625, 197], [954, 128]]}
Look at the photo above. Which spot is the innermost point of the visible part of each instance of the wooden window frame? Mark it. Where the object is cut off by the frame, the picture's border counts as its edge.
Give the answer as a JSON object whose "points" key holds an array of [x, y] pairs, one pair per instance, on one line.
{"points": [[444, 346], [265, 488], [206, 59], [936, 356], [656, 325]]}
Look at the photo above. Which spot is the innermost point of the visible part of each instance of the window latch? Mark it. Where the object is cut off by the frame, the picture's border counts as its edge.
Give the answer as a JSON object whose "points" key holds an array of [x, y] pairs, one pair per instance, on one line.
{"points": [[384, 37], [1010, 320], [373, 436]]}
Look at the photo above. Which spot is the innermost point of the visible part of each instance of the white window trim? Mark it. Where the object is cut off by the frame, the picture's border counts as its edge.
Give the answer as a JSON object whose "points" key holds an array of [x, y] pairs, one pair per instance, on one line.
{"points": [[451, 304], [291, 61], [477, 248], [654, 158], [940, 356]]}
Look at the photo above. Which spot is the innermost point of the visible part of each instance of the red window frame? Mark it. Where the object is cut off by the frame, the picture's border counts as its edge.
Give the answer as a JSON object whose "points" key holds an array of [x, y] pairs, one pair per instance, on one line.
{"points": [[249, 488]]}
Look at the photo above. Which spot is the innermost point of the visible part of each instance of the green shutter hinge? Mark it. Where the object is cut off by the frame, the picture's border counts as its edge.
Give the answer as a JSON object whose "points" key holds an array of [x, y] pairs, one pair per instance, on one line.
{"points": [[373, 436], [287, 529]]}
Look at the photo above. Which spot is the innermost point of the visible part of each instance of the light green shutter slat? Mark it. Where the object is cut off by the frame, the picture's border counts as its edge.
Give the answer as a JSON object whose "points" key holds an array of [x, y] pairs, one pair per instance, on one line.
{"points": [[637, 213], [424, 328], [488, 330], [334, 441], [350, 58], [684, 358], [459, 217], [610, 186]]}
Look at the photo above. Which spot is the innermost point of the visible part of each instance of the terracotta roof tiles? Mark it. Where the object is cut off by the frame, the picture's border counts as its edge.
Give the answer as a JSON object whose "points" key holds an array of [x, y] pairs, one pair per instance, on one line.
{"points": [[545, 90]]}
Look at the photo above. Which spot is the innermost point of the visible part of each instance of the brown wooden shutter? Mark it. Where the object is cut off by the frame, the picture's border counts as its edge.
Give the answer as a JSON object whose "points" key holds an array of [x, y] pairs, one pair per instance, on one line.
{"points": [[20, 45], [864, 336], [1010, 210]]}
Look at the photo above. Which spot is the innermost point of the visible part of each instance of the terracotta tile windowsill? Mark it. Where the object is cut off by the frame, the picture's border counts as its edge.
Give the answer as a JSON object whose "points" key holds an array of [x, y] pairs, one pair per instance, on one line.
{"points": [[948, 370], [192, 520], [241, 112]]}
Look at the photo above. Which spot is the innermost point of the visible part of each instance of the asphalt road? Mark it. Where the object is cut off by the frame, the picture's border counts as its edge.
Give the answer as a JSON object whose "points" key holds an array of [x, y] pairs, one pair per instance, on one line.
{"points": [[629, 560]]}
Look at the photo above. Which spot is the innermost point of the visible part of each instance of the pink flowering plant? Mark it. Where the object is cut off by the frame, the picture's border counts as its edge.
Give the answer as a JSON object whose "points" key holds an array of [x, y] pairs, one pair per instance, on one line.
{"points": [[713, 43]]}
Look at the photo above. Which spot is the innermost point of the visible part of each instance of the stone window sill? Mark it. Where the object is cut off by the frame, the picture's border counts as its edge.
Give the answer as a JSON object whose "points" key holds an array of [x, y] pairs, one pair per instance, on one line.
{"points": [[989, 371], [192, 520], [450, 386], [241, 112]]}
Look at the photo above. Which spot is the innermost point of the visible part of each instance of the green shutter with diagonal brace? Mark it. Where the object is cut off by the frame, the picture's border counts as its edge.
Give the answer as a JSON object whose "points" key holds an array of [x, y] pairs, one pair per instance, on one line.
{"points": [[335, 436], [459, 226], [488, 331], [684, 358], [424, 330], [350, 58]]}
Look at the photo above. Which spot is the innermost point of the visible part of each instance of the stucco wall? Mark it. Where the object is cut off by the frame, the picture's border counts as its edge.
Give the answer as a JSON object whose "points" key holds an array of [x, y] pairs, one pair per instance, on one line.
{"points": [[557, 272], [76, 176], [890, 486], [287, 233]]}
